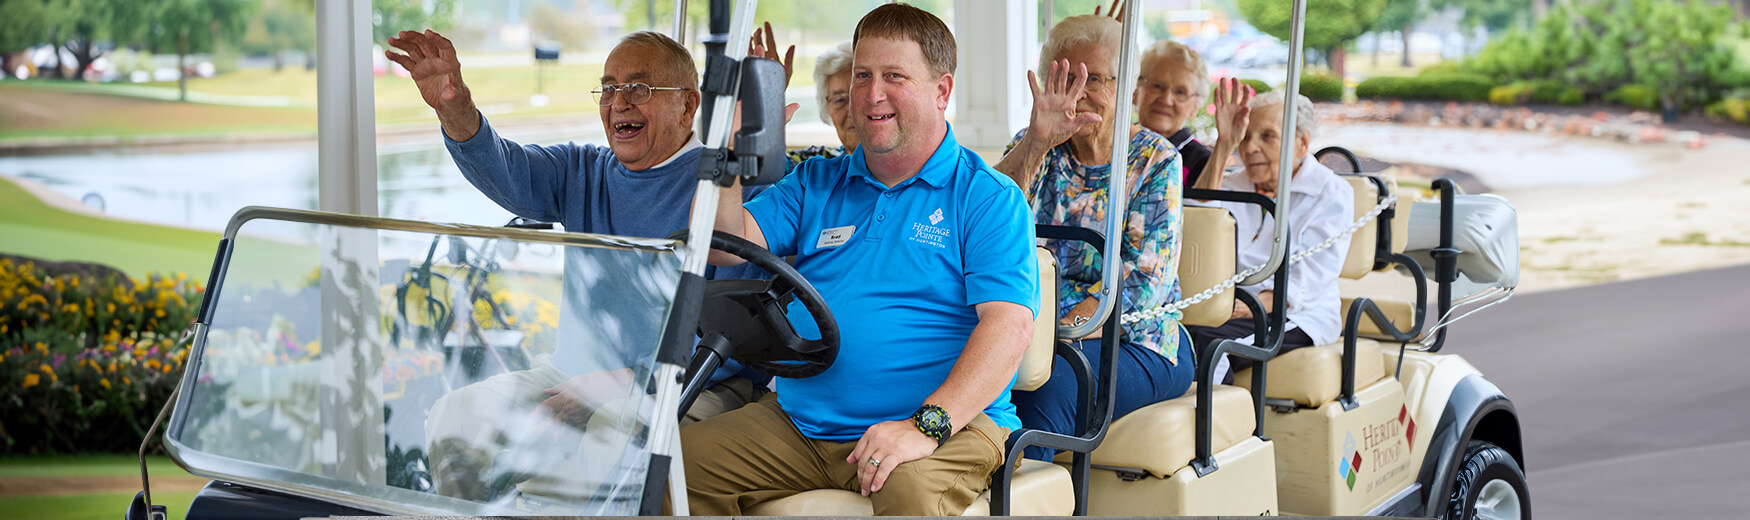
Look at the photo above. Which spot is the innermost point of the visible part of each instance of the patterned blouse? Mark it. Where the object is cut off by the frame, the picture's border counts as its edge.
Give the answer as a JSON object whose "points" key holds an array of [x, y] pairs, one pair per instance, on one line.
{"points": [[1070, 194], [821, 151]]}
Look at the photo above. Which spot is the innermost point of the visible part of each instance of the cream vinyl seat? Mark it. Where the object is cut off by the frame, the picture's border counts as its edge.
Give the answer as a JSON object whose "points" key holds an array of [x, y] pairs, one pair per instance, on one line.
{"points": [[1158, 437], [1313, 376], [1037, 489]]}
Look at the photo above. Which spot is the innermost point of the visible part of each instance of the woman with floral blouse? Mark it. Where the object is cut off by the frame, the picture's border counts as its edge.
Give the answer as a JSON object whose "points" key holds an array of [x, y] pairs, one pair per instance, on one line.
{"points": [[1063, 160]]}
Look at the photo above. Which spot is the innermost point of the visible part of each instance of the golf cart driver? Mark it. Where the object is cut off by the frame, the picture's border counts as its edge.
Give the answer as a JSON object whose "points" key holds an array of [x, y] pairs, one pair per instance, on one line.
{"points": [[932, 251]]}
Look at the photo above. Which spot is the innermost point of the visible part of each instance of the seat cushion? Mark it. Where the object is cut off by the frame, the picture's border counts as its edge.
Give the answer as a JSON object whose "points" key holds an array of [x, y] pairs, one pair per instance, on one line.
{"points": [[1036, 362], [1161, 438], [1206, 259], [1039, 489], [1402, 315], [1313, 376], [1364, 244]]}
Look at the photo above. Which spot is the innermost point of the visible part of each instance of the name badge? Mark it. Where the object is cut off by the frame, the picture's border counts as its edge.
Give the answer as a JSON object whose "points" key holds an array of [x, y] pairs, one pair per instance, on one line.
{"points": [[834, 237]]}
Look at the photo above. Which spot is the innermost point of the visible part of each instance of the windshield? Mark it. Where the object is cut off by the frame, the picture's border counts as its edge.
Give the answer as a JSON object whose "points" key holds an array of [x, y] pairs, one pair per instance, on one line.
{"points": [[430, 372]]}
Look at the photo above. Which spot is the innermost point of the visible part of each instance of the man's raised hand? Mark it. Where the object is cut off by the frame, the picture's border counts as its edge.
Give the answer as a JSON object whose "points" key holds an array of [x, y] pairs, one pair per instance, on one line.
{"points": [[431, 61]]}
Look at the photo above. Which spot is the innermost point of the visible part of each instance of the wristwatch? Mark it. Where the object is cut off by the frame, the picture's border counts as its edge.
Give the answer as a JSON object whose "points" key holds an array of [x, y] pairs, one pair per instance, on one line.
{"points": [[933, 421]]}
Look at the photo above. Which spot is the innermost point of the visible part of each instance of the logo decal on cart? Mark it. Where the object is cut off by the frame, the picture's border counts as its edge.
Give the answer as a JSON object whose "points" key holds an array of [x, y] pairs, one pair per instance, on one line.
{"points": [[1350, 463]]}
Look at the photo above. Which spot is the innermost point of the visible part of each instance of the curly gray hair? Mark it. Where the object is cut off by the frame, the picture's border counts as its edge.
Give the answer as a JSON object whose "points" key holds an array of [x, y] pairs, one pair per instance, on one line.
{"points": [[1078, 30], [833, 61], [1306, 123]]}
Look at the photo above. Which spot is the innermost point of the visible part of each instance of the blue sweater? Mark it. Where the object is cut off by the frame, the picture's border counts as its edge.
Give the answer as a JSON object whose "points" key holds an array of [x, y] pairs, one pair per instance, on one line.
{"points": [[588, 190]]}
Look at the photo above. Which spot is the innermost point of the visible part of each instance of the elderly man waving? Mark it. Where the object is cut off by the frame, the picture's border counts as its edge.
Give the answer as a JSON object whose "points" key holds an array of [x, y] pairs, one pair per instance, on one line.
{"points": [[640, 185]]}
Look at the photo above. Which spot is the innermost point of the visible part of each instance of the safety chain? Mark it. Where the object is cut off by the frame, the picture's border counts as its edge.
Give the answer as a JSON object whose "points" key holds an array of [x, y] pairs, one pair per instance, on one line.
{"points": [[1182, 304]]}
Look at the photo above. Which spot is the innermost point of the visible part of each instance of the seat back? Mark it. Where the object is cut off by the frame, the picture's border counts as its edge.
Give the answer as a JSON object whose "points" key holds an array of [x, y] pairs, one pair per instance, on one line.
{"points": [[1036, 363], [1369, 245], [1207, 253]]}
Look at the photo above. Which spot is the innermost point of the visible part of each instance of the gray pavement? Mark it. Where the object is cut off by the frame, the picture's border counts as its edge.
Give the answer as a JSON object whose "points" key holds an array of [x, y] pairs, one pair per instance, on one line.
{"points": [[1634, 397]]}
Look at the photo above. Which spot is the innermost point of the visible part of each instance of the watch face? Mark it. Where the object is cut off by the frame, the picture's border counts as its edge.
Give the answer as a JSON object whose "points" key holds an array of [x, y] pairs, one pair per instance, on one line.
{"points": [[933, 418]]}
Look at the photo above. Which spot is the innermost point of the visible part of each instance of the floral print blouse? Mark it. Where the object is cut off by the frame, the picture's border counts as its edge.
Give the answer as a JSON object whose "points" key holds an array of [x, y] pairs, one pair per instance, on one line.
{"points": [[1068, 193]]}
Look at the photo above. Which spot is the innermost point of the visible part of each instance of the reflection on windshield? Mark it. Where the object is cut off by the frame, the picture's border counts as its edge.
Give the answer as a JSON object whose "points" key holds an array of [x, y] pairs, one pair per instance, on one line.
{"points": [[440, 373]]}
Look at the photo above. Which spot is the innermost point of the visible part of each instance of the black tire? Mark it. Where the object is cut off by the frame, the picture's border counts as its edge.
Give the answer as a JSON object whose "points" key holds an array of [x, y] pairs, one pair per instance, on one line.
{"points": [[1484, 464]]}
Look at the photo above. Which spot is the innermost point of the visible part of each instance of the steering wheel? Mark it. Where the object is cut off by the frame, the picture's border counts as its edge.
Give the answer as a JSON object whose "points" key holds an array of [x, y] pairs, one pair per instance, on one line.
{"points": [[750, 314]]}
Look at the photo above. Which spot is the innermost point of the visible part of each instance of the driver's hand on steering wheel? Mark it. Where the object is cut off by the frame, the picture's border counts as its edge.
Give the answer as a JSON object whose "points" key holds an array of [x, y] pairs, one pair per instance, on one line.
{"points": [[573, 401]]}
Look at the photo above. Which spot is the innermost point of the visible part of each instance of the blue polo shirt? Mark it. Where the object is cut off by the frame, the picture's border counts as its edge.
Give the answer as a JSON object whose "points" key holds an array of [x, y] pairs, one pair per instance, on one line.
{"points": [[901, 268]]}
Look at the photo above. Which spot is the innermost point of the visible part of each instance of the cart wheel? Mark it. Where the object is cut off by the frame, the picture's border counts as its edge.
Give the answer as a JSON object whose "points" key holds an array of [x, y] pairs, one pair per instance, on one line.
{"points": [[1489, 486]]}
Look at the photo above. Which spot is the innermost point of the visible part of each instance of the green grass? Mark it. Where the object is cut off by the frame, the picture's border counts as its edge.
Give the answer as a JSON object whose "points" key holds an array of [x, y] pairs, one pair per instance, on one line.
{"points": [[35, 229], [95, 506], [87, 466]]}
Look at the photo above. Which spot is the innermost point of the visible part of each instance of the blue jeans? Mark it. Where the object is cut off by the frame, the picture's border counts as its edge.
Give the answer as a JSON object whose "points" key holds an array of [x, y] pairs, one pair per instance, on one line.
{"points": [[1144, 378]]}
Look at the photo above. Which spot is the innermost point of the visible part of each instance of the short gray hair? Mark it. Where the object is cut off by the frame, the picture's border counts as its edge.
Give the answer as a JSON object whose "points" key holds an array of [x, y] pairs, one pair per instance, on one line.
{"points": [[679, 60], [1169, 49], [1078, 30], [1306, 123], [833, 61]]}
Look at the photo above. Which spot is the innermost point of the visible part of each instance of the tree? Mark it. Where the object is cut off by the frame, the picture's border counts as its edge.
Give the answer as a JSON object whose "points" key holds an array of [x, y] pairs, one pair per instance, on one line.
{"points": [[390, 17], [1330, 24], [26, 23], [1679, 51], [283, 25], [79, 24], [190, 26], [1495, 15], [1398, 16]]}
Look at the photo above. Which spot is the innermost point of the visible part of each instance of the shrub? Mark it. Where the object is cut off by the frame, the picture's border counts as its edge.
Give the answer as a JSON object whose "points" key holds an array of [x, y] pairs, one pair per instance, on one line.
{"points": [[1571, 96], [1638, 97], [1509, 94], [1258, 85], [1320, 87], [87, 361], [1441, 69], [1734, 109], [1545, 92], [1442, 87]]}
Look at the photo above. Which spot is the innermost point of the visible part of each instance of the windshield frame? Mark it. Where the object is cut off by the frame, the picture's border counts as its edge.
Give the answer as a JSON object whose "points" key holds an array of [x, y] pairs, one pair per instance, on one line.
{"points": [[361, 496]]}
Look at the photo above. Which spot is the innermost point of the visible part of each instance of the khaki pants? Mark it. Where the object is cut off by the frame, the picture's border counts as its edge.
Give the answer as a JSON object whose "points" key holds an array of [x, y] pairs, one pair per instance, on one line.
{"points": [[755, 454]]}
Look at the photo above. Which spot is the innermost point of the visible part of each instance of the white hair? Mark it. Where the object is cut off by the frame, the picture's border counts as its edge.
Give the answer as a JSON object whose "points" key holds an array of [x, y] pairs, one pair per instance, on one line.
{"points": [[1172, 50], [1078, 30], [1306, 123], [833, 61]]}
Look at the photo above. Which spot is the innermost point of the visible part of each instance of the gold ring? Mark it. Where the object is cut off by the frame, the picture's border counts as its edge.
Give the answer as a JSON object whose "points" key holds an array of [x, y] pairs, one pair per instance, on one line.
{"points": [[874, 463]]}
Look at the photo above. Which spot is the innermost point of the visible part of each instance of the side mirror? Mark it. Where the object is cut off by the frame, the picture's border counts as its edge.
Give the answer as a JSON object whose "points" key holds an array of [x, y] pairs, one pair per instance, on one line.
{"points": [[759, 143]]}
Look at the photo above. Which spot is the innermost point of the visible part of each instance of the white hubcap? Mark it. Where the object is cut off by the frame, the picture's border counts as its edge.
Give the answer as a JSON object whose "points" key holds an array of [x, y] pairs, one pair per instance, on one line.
{"points": [[1498, 501]]}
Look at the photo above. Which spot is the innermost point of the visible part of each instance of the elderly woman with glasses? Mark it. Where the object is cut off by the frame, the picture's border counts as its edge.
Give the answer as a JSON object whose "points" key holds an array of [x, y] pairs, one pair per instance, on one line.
{"points": [[1172, 86], [832, 83], [1063, 159]]}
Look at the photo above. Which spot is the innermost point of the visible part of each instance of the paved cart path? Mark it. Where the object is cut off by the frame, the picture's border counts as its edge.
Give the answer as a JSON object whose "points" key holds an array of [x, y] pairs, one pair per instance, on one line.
{"points": [[1634, 397]]}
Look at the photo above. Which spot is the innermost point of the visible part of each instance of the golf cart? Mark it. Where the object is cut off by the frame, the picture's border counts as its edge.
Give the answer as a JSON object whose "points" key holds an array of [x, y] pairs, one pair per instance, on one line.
{"points": [[1313, 431]]}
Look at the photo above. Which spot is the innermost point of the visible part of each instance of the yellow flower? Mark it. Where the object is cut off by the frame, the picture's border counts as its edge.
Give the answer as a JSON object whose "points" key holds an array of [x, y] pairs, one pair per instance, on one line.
{"points": [[2, 328], [42, 346], [103, 383], [31, 380], [127, 381], [75, 282], [112, 307], [114, 336], [2, 358], [47, 369]]}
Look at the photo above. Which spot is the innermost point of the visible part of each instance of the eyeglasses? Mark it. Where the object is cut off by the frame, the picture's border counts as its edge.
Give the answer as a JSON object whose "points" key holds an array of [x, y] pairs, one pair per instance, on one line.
{"points": [[636, 93], [1154, 88], [1096, 81]]}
